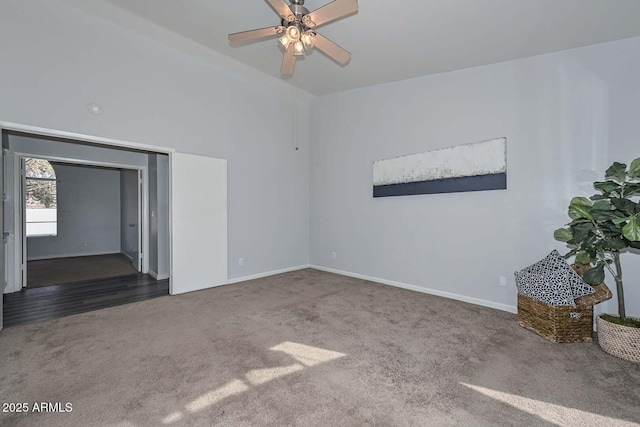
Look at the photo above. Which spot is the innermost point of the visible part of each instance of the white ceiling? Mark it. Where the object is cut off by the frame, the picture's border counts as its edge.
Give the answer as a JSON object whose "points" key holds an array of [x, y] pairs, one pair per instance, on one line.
{"points": [[394, 40]]}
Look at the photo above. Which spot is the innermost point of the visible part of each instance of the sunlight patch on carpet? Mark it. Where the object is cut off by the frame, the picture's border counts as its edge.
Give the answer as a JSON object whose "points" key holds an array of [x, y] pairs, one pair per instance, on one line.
{"points": [[551, 412], [230, 389], [306, 356], [263, 376]]}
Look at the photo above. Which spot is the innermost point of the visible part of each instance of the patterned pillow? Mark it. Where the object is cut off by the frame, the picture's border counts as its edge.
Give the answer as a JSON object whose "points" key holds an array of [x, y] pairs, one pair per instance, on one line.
{"points": [[550, 287], [554, 262]]}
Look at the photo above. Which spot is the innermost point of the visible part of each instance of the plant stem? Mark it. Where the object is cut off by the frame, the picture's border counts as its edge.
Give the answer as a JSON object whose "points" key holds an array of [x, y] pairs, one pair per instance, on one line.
{"points": [[606, 264], [618, 277]]}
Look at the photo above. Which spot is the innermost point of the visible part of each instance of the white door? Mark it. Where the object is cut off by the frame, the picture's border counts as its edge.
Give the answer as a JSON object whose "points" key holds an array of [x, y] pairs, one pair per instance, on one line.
{"points": [[138, 264], [198, 223], [4, 238], [23, 224]]}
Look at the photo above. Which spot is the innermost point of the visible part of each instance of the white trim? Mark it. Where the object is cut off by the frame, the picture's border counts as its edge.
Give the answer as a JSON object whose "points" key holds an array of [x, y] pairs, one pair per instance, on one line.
{"points": [[71, 255], [35, 130], [267, 274], [450, 295], [143, 200], [81, 162], [127, 256], [157, 276]]}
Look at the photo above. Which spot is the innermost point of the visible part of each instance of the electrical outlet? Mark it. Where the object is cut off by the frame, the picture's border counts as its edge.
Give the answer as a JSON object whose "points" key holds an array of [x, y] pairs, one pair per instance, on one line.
{"points": [[241, 261], [333, 255], [85, 244], [503, 281]]}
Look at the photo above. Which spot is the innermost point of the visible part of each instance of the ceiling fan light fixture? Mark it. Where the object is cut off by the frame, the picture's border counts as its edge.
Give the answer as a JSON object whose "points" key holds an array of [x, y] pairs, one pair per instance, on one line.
{"points": [[293, 33], [285, 41], [298, 48], [308, 39]]}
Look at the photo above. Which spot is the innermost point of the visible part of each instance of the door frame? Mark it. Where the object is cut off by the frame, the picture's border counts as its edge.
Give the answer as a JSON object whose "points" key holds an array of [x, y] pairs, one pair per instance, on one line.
{"points": [[94, 140], [142, 191]]}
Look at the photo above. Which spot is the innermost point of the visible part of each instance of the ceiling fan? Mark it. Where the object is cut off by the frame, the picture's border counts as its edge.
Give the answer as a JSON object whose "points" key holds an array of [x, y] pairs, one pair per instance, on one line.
{"points": [[297, 30]]}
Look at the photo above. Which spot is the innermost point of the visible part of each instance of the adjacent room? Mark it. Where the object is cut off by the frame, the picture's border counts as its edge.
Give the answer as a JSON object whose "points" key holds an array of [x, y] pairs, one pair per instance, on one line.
{"points": [[78, 206], [76, 227], [320, 222]]}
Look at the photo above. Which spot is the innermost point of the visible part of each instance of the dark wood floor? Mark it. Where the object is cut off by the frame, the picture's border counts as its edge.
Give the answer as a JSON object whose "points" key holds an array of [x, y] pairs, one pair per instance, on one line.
{"points": [[51, 302]]}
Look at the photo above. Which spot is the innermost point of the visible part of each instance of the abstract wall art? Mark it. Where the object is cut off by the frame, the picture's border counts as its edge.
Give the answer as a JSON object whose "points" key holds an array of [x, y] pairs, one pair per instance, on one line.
{"points": [[473, 167]]}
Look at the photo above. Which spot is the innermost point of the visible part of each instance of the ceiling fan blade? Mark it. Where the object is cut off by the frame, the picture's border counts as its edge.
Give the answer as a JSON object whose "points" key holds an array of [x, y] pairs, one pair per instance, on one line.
{"points": [[253, 35], [332, 50], [330, 12], [288, 61], [283, 9]]}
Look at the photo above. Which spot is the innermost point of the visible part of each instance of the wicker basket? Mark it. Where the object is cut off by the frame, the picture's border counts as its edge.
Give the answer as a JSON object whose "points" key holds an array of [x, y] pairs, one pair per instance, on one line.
{"points": [[618, 340], [562, 324]]}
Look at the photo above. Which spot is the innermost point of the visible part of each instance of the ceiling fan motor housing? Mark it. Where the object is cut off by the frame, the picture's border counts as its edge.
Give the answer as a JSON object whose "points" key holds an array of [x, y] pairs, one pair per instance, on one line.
{"points": [[299, 11]]}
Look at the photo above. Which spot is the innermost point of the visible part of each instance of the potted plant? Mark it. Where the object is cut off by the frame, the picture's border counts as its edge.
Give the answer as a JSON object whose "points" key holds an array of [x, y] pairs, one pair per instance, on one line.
{"points": [[604, 226]]}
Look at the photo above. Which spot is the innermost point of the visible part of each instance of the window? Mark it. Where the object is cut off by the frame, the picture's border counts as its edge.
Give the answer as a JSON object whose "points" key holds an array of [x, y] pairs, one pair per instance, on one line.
{"points": [[41, 210]]}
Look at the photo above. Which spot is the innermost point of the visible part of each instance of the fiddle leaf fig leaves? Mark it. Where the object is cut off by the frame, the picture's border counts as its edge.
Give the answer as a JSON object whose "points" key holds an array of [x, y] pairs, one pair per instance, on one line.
{"points": [[631, 231], [615, 244], [605, 224], [624, 205], [583, 258], [581, 232], [580, 207], [632, 189], [595, 276], [619, 220], [604, 205], [634, 168], [608, 187], [563, 235], [617, 171]]}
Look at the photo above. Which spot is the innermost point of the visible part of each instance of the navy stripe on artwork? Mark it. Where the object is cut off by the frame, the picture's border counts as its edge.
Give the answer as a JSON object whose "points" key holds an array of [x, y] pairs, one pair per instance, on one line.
{"points": [[496, 181]]}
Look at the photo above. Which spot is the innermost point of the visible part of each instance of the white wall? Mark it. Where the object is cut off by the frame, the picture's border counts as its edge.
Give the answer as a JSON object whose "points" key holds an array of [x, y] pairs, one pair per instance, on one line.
{"points": [[129, 215], [88, 214], [159, 215], [56, 59], [565, 117]]}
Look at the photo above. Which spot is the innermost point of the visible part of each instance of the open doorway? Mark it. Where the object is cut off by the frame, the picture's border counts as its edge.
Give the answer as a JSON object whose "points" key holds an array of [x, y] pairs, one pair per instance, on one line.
{"points": [[184, 219], [81, 222], [87, 226]]}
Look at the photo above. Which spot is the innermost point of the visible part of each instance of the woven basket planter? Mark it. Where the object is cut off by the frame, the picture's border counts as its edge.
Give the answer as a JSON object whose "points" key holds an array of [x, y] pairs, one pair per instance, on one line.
{"points": [[619, 340], [562, 324]]}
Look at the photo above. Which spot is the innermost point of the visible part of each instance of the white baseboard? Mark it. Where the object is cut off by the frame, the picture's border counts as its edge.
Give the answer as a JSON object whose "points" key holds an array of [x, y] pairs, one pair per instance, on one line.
{"points": [[70, 255], [127, 256], [157, 276], [450, 295], [267, 274]]}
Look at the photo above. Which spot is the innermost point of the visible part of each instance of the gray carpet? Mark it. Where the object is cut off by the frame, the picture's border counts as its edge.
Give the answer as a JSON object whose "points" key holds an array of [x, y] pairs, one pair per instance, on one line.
{"points": [[312, 349], [58, 271]]}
